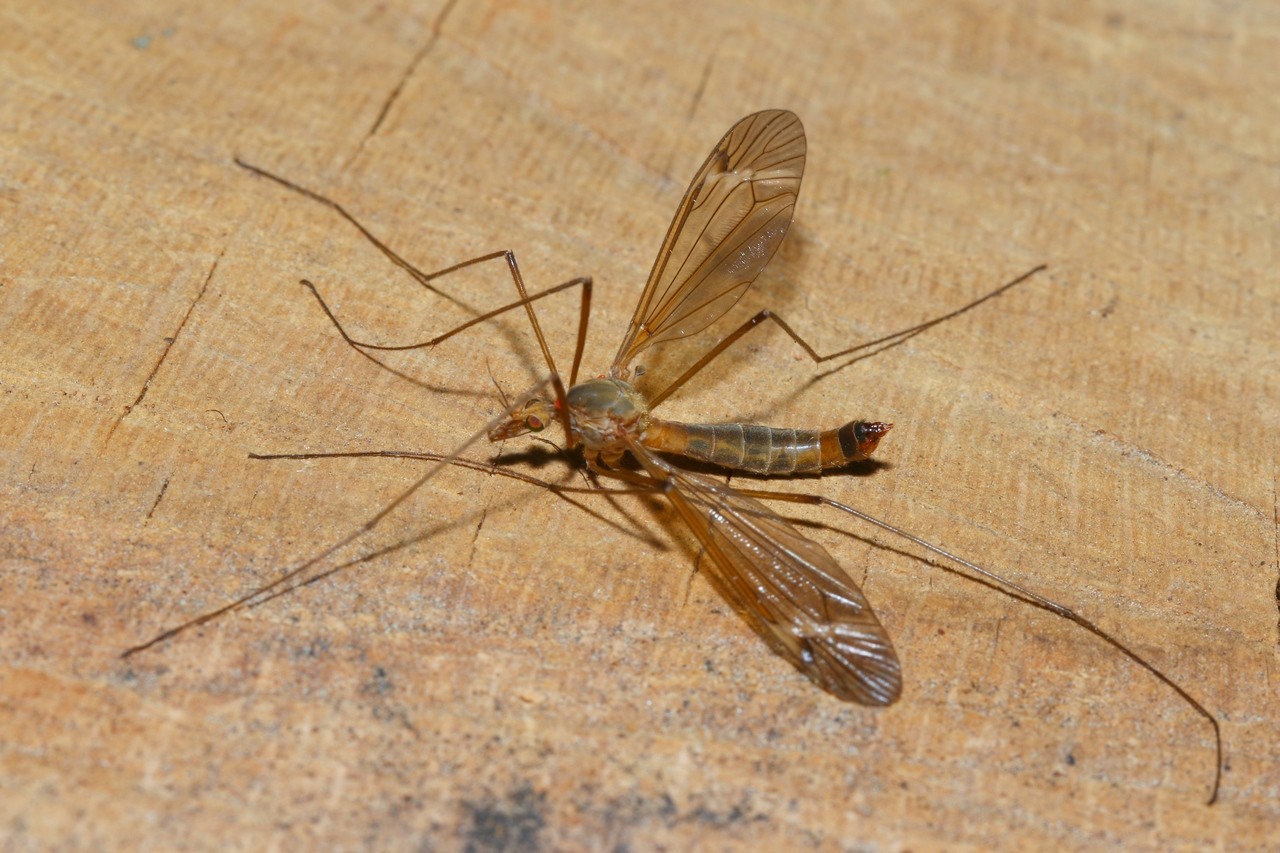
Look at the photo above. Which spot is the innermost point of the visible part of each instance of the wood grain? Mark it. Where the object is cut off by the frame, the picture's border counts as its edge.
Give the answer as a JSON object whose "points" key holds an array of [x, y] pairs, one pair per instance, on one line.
{"points": [[521, 674]]}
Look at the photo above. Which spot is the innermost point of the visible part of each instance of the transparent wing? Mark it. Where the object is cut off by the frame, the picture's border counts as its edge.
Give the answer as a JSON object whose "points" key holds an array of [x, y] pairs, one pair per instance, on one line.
{"points": [[729, 223], [790, 590]]}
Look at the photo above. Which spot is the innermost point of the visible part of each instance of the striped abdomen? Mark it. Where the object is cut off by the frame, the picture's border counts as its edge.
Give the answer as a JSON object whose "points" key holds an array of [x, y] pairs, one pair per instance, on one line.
{"points": [[766, 450]]}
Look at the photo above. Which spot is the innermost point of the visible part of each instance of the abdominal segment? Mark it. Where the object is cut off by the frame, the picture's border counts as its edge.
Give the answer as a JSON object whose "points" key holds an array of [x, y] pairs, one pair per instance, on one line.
{"points": [[766, 450]]}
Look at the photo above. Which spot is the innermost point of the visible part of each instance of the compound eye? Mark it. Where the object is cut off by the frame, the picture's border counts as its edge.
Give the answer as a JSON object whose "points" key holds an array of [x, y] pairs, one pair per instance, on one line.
{"points": [[534, 423]]}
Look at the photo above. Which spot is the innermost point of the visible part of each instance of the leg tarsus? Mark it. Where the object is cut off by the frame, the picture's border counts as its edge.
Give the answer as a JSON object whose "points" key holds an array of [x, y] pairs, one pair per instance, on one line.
{"points": [[418, 275]]}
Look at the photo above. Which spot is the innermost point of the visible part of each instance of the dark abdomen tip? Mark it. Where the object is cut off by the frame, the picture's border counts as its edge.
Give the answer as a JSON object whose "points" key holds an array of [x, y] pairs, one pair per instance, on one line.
{"points": [[858, 439]]}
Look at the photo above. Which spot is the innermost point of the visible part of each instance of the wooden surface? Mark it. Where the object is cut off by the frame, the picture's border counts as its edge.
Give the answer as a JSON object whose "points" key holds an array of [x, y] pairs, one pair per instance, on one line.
{"points": [[522, 674]]}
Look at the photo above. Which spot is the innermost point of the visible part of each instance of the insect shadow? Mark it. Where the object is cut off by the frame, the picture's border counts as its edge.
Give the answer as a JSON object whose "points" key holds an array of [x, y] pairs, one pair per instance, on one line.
{"points": [[787, 587]]}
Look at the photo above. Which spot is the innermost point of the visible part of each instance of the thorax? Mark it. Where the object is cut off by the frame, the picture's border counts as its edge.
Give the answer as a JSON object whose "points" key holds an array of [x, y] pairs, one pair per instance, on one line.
{"points": [[603, 412]]}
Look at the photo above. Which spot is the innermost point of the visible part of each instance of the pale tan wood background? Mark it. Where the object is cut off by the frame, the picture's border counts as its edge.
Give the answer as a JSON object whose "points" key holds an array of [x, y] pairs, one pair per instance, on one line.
{"points": [[527, 675]]}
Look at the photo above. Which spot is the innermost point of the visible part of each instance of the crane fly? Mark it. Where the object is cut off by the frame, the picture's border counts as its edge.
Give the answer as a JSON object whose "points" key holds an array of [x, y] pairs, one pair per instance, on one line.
{"points": [[787, 587]]}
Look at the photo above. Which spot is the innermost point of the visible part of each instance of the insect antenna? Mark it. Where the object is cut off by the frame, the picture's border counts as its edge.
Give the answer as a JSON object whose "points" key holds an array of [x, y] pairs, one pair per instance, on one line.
{"points": [[502, 395]]}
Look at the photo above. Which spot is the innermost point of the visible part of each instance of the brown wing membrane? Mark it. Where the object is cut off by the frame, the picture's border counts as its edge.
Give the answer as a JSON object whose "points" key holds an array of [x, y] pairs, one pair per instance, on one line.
{"points": [[791, 591], [731, 220]]}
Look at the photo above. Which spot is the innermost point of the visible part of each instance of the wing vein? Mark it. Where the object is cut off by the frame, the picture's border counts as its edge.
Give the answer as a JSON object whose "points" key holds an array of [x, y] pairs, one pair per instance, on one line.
{"points": [[787, 587], [733, 215]]}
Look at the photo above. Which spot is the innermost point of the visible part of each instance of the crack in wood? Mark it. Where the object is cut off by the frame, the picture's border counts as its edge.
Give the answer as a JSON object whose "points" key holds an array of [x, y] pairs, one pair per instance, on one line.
{"points": [[164, 487], [169, 342], [702, 82], [1275, 539], [436, 30], [475, 537]]}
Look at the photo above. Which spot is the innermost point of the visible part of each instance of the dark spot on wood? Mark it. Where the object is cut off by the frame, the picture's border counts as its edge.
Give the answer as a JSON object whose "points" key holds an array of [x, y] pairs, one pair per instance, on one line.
{"points": [[513, 822]]}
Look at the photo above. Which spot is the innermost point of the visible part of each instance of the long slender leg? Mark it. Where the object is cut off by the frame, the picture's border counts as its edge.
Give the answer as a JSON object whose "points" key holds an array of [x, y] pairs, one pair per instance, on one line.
{"points": [[368, 525], [362, 347], [342, 543], [583, 281], [1014, 590], [425, 278], [560, 490], [888, 340], [418, 275], [525, 300], [282, 584], [643, 481]]}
